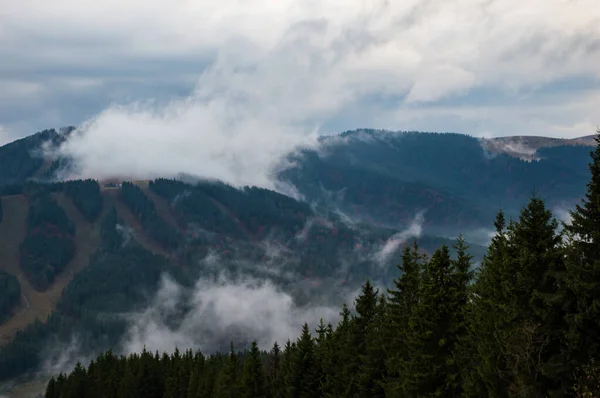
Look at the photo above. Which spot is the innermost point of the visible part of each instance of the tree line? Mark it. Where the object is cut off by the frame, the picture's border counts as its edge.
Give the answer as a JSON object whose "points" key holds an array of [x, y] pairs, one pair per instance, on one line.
{"points": [[525, 323]]}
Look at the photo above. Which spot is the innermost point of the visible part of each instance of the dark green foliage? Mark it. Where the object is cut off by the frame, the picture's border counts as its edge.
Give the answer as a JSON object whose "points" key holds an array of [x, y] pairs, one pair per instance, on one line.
{"points": [[10, 294], [119, 278], [346, 361], [518, 322], [86, 196], [145, 211], [22, 158], [49, 245], [193, 206], [528, 326], [391, 176], [256, 211], [253, 377]]}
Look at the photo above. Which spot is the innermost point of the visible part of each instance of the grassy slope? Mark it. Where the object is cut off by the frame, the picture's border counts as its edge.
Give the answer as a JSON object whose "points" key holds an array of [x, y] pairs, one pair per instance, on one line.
{"points": [[112, 198], [12, 231], [164, 210]]}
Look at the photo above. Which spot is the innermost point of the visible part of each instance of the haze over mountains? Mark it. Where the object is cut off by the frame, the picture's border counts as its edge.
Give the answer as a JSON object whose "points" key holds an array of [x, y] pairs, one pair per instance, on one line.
{"points": [[174, 253]]}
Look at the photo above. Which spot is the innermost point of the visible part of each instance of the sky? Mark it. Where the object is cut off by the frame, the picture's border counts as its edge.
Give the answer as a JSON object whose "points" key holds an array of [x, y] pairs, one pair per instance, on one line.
{"points": [[242, 68]]}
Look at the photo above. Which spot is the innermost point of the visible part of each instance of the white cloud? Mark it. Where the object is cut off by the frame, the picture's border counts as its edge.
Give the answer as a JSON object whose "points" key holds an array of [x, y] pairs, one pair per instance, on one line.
{"points": [[5, 136], [277, 70], [221, 310], [414, 230]]}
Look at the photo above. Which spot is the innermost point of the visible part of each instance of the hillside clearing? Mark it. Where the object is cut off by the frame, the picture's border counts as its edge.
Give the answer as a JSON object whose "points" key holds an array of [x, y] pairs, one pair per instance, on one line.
{"points": [[12, 232]]}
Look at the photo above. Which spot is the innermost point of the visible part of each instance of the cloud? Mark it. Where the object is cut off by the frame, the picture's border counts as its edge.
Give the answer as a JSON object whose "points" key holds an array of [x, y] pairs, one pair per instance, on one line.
{"points": [[266, 72], [414, 230], [221, 310], [562, 214], [5, 136], [63, 356]]}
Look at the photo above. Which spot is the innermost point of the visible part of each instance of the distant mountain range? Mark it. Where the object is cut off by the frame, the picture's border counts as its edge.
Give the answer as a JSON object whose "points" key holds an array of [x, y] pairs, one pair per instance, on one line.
{"points": [[73, 252]]}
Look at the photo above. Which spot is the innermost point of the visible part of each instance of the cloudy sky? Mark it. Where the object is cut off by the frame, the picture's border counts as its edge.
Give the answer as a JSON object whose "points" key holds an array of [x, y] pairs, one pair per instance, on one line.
{"points": [[484, 67]]}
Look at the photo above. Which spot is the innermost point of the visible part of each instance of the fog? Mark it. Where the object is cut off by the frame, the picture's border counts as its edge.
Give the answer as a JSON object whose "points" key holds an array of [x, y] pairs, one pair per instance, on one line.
{"points": [[218, 311]]}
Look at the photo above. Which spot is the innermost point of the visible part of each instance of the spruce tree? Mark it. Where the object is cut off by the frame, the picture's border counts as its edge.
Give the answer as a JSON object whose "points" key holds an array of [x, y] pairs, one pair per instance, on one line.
{"points": [[430, 340], [274, 372], [226, 383], [462, 275], [337, 378], [486, 318], [366, 308], [583, 267], [303, 378], [51, 390], [253, 378], [372, 373], [402, 302]]}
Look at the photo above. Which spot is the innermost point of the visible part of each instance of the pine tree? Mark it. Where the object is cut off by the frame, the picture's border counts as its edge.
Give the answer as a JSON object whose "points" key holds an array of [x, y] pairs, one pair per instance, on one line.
{"points": [[518, 321], [274, 372], [366, 309], [487, 316], [461, 278], [373, 363], [583, 267], [226, 384], [287, 364], [303, 378], [430, 339], [253, 378], [193, 384], [51, 390], [322, 346], [337, 378], [402, 301]]}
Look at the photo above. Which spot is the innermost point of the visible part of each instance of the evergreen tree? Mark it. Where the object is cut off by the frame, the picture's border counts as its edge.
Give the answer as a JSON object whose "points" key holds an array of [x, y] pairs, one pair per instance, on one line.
{"points": [[303, 378], [372, 374], [487, 317], [274, 372], [583, 265], [337, 378], [461, 278], [430, 341], [253, 378], [402, 301], [366, 309], [51, 391], [226, 384]]}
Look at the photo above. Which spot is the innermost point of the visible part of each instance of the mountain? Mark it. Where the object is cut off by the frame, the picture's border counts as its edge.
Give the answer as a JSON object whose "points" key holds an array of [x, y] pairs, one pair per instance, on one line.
{"points": [[387, 177], [74, 255]]}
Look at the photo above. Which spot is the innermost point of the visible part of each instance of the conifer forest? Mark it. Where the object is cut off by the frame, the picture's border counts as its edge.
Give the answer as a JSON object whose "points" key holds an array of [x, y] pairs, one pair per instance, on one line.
{"points": [[524, 323]]}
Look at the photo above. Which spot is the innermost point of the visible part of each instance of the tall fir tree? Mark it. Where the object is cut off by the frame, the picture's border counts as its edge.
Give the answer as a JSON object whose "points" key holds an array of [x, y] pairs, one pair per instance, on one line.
{"points": [[227, 380], [487, 316], [430, 336], [583, 267], [403, 299], [373, 371], [253, 377], [303, 377]]}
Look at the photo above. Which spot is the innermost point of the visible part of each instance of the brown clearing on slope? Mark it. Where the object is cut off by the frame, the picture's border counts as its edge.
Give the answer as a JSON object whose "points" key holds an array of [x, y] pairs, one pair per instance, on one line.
{"points": [[12, 232]]}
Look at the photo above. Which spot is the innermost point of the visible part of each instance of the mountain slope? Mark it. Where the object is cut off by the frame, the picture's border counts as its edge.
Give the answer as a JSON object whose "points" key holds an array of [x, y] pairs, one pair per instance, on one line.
{"points": [[388, 176]]}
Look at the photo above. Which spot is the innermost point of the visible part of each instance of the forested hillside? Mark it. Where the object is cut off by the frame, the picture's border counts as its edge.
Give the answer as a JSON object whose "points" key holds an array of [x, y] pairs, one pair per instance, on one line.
{"points": [[240, 227], [48, 246], [83, 254], [524, 324], [388, 176]]}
